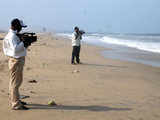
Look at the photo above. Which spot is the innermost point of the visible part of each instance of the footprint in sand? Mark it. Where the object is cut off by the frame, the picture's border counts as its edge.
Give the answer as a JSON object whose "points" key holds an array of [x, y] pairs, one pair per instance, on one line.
{"points": [[28, 68], [1, 67], [2, 91]]}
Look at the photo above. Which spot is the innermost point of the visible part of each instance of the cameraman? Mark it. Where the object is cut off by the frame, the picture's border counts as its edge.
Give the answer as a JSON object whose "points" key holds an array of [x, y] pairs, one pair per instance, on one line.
{"points": [[15, 49], [76, 44]]}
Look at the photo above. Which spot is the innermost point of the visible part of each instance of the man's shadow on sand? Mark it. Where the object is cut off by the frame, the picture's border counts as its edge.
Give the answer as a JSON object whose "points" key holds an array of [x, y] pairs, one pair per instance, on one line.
{"points": [[69, 107], [103, 65]]}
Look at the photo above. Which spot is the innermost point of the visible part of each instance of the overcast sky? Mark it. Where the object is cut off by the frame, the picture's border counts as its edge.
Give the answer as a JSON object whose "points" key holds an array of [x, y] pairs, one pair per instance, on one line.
{"points": [[117, 16]]}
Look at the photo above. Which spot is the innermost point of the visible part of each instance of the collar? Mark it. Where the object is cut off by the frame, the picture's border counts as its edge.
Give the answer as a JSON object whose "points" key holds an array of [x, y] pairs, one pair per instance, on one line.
{"points": [[13, 31]]}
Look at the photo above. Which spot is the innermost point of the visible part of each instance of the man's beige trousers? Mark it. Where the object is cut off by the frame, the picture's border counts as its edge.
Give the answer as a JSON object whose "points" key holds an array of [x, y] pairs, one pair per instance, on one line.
{"points": [[16, 78]]}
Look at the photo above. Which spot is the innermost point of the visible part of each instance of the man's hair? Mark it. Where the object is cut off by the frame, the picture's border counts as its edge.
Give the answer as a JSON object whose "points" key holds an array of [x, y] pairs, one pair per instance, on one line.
{"points": [[15, 22], [76, 28]]}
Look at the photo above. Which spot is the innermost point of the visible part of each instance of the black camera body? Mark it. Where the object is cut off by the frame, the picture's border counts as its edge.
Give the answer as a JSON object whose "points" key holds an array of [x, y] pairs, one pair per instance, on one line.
{"points": [[81, 32], [27, 38]]}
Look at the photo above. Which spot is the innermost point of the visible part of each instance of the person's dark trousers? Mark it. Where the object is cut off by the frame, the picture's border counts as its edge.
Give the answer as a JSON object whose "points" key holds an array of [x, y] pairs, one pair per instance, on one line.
{"points": [[75, 54], [78, 54]]}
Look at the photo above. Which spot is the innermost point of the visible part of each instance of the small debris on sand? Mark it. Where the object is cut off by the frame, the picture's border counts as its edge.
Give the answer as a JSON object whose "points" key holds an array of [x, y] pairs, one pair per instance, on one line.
{"points": [[32, 81], [52, 103], [32, 92], [75, 71]]}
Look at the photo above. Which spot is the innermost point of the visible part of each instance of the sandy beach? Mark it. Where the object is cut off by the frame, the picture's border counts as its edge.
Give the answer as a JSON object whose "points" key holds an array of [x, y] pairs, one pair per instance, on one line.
{"points": [[98, 89]]}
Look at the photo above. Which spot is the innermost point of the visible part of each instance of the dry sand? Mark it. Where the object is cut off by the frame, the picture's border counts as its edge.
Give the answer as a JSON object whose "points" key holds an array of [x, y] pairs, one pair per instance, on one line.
{"points": [[98, 89]]}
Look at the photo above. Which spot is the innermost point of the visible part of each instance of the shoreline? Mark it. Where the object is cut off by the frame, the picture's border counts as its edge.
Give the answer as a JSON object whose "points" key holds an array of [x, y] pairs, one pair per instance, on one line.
{"points": [[139, 57], [128, 54]]}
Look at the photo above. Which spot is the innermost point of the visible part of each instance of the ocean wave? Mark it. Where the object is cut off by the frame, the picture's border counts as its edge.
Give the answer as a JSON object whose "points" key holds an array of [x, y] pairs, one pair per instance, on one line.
{"points": [[148, 45]]}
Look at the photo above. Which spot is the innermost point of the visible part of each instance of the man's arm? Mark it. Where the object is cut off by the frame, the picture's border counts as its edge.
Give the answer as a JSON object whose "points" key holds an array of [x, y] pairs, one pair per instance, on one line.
{"points": [[16, 44], [74, 36]]}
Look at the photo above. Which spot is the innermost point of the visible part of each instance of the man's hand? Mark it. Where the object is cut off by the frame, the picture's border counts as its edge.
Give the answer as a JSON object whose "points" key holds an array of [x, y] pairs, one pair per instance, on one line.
{"points": [[26, 44]]}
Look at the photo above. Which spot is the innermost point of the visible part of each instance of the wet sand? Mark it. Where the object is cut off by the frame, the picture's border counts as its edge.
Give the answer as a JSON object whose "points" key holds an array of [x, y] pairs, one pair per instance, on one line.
{"points": [[98, 89]]}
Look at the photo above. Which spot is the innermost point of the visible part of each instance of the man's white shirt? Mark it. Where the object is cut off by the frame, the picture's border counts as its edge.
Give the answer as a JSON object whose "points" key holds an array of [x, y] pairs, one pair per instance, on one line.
{"points": [[76, 41], [12, 46]]}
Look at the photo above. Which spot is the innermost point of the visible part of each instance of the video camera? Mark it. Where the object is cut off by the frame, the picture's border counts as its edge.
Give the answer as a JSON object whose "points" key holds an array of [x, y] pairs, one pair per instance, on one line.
{"points": [[81, 32], [27, 38]]}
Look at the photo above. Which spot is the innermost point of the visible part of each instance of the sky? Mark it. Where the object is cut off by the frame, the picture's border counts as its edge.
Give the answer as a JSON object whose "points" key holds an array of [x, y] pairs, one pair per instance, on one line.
{"points": [[100, 16]]}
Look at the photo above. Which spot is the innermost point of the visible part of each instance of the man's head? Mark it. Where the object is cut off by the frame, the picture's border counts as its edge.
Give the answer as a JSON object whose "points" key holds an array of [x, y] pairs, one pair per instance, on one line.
{"points": [[76, 29], [17, 24]]}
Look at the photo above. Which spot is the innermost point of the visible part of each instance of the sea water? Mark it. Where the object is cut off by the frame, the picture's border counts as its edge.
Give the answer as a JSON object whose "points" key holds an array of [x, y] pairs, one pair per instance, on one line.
{"points": [[140, 48]]}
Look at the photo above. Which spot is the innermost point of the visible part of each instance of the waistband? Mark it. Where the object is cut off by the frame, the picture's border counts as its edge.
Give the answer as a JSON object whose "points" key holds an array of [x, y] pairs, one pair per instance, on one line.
{"points": [[23, 57]]}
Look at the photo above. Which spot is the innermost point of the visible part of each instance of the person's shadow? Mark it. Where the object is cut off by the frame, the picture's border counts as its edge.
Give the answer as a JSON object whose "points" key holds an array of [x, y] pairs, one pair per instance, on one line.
{"points": [[103, 65], [96, 108]]}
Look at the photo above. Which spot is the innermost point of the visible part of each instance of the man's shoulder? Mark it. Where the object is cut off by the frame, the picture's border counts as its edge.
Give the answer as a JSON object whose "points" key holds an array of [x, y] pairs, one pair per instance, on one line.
{"points": [[74, 33], [11, 36]]}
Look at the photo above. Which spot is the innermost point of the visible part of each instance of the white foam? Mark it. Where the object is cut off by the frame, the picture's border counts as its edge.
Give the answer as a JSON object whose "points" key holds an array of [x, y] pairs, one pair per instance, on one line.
{"points": [[138, 44], [68, 35]]}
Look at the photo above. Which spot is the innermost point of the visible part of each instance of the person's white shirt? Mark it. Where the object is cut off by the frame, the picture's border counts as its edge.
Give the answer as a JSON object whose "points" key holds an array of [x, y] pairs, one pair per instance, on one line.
{"points": [[12, 46], [76, 41]]}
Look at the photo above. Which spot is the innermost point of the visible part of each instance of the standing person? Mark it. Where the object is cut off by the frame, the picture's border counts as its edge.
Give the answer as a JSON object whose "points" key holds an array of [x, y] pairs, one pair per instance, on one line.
{"points": [[76, 44], [15, 49]]}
